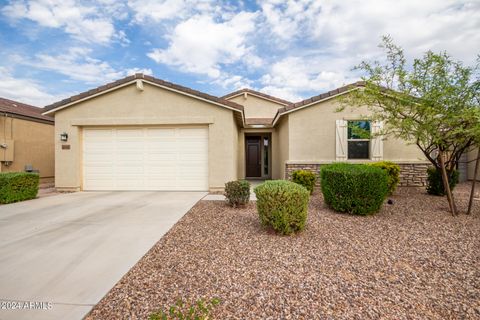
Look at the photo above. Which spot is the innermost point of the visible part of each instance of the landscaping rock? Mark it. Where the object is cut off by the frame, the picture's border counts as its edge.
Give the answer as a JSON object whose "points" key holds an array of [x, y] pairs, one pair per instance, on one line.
{"points": [[410, 261]]}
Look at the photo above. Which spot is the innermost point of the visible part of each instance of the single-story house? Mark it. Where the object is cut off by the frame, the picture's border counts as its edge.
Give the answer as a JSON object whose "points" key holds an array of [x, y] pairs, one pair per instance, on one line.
{"points": [[143, 133], [26, 139]]}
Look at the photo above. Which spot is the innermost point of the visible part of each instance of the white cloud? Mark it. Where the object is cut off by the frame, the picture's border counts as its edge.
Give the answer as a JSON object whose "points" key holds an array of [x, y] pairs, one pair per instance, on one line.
{"points": [[157, 10], [321, 41], [355, 27], [301, 47], [132, 71], [201, 45], [287, 20], [25, 90], [232, 82], [85, 23], [77, 65], [161, 11], [293, 77]]}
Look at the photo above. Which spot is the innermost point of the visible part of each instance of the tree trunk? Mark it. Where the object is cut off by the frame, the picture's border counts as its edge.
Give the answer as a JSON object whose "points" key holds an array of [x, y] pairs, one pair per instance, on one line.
{"points": [[475, 174], [446, 184]]}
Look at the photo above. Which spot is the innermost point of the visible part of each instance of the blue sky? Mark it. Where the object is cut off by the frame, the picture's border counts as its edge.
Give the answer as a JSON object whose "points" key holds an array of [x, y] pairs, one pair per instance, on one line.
{"points": [[51, 49]]}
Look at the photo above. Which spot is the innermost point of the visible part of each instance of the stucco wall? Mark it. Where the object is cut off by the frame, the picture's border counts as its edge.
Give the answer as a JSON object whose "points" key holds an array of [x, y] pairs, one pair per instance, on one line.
{"points": [[255, 107], [236, 149], [312, 134], [283, 146], [33, 144], [471, 157], [153, 106]]}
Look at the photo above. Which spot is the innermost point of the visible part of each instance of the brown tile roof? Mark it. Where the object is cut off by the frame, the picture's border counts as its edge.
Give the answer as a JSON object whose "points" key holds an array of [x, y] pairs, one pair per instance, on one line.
{"points": [[264, 95], [24, 110], [321, 97], [141, 76], [258, 121]]}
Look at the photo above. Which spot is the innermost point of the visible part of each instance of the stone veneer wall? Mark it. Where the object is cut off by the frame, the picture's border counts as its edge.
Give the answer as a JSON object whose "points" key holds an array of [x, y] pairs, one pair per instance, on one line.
{"points": [[411, 174]]}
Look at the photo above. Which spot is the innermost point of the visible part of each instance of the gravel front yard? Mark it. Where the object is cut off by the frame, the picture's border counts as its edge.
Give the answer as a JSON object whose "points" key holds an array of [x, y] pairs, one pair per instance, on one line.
{"points": [[413, 260]]}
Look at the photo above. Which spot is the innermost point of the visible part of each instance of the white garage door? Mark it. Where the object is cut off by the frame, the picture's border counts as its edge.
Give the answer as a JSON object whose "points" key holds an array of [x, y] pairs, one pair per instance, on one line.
{"points": [[145, 159]]}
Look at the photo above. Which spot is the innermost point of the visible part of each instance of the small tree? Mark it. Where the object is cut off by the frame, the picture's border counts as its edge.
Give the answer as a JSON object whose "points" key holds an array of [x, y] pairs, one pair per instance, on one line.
{"points": [[433, 104], [475, 132]]}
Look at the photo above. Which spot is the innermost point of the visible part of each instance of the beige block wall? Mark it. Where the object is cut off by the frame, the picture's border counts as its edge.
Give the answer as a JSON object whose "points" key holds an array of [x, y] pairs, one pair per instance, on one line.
{"points": [[471, 158], [33, 144], [153, 107], [312, 134], [255, 107]]}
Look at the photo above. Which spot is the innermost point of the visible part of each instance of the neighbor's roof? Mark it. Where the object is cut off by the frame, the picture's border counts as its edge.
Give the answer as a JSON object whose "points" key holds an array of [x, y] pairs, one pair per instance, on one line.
{"points": [[23, 110], [256, 93], [146, 78]]}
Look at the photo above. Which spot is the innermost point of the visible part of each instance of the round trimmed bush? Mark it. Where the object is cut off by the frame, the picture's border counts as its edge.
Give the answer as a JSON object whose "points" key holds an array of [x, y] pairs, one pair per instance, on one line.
{"points": [[393, 173], [282, 205], [354, 188], [435, 181], [304, 178], [237, 192]]}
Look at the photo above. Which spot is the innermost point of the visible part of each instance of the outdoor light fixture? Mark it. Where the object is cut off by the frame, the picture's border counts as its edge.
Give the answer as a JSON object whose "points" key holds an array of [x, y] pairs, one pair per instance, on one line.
{"points": [[64, 136]]}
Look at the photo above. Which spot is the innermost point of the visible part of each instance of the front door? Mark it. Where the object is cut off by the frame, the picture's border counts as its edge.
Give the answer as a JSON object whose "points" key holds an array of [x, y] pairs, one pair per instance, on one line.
{"points": [[254, 159]]}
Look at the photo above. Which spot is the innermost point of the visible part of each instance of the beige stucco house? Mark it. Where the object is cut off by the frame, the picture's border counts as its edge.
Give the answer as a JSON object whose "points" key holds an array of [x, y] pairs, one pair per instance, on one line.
{"points": [[143, 133], [26, 139]]}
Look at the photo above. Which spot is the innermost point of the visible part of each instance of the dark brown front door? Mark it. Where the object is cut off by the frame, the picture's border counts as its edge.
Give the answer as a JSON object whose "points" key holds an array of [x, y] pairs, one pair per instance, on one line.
{"points": [[254, 160]]}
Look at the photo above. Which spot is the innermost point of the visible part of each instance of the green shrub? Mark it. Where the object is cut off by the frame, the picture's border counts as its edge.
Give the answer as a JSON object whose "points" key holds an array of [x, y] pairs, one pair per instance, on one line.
{"points": [[435, 182], [237, 192], [305, 178], [354, 188], [199, 310], [18, 186], [393, 174], [282, 205]]}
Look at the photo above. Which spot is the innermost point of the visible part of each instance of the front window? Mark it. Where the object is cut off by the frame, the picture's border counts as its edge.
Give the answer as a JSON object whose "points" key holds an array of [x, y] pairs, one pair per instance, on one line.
{"points": [[358, 139], [265, 156]]}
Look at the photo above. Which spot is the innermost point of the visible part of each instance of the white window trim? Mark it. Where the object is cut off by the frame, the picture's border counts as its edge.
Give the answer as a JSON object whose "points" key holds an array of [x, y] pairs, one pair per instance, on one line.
{"points": [[369, 140]]}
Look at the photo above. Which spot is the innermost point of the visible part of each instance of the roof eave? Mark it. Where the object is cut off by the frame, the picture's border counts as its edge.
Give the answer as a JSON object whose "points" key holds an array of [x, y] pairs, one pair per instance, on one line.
{"points": [[287, 111], [133, 81]]}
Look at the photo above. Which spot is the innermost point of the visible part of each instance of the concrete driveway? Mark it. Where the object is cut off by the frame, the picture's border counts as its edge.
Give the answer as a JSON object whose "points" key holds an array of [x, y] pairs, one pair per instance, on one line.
{"points": [[70, 250]]}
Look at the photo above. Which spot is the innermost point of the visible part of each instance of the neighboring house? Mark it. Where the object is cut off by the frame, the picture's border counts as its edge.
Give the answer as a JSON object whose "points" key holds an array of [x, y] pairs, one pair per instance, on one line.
{"points": [[26, 139], [471, 158], [142, 133]]}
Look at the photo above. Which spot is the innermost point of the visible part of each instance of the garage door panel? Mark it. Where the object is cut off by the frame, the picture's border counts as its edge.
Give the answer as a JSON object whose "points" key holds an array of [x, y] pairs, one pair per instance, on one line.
{"points": [[160, 158], [98, 184], [192, 175], [98, 134], [125, 171], [166, 170], [98, 170], [160, 132], [162, 145], [129, 157], [146, 159], [129, 144], [192, 132], [129, 133], [93, 158]]}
